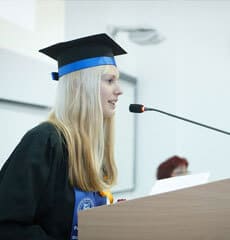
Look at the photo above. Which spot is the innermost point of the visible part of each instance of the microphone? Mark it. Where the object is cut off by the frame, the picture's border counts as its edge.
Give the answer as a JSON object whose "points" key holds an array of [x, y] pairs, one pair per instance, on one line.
{"points": [[140, 108]]}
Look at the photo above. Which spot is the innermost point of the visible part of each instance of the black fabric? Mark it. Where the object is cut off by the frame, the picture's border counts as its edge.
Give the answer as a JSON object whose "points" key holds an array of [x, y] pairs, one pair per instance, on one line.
{"points": [[98, 45], [36, 199]]}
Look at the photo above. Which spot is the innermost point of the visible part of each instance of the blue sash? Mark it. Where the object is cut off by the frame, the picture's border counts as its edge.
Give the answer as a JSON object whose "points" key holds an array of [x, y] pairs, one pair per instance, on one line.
{"points": [[84, 200]]}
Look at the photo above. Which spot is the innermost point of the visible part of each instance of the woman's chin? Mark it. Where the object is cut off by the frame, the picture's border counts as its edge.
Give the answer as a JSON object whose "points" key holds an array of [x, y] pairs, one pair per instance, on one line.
{"points": [[109, 114]]}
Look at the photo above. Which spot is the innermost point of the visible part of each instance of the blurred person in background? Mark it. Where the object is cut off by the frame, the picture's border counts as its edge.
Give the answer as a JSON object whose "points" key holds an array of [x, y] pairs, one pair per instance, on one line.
{"points": [[172, 167]]}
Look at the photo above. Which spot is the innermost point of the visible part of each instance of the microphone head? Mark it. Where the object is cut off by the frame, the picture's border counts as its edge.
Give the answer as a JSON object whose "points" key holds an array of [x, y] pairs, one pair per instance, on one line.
{"points": [[136, 108]]}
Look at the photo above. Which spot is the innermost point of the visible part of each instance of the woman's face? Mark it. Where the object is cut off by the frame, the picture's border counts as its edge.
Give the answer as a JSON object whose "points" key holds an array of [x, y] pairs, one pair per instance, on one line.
{"points": [[179, 171], [110, 91]]}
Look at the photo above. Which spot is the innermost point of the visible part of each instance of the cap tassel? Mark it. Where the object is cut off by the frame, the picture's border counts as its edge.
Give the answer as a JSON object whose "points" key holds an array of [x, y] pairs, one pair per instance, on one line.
{"points": [[107, 194], [55, 76]]}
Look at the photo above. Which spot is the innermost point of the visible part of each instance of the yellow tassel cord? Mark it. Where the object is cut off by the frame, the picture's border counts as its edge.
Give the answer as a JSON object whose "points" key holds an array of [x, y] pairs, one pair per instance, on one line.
{"points": [[107, 194]]}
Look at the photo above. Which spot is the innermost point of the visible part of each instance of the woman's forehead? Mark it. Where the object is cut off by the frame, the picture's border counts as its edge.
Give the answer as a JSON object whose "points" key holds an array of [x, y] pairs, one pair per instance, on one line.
{"points": [[112, 70]]}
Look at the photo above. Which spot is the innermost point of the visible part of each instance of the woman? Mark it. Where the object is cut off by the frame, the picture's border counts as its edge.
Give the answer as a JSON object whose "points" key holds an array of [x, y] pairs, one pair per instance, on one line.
{"points": [[63, 165], [172, 167]]}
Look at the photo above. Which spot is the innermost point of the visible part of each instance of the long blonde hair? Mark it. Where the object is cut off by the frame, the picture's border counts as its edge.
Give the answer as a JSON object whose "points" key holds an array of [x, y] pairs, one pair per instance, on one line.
{"points": [[89, 137]]}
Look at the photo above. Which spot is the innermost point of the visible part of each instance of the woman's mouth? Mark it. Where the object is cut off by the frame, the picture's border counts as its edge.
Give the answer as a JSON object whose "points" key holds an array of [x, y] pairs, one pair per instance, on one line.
{"points": [[113, 103]]}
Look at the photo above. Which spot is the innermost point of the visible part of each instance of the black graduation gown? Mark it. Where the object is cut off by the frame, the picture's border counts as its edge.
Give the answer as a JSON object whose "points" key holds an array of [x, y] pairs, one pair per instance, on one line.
{"points": [[36, 199]]}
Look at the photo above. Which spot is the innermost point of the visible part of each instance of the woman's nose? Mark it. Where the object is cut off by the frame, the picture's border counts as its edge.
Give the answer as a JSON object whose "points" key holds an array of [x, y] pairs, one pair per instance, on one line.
{"points": [[118, 90]]}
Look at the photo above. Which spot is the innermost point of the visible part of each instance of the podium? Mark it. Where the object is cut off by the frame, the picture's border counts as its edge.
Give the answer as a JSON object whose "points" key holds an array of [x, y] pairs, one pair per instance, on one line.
{"points": [[201, 212]]}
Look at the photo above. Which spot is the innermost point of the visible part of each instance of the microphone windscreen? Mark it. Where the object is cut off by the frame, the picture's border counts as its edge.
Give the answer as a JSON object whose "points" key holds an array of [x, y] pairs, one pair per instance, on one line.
{"points": [[136, 108]]}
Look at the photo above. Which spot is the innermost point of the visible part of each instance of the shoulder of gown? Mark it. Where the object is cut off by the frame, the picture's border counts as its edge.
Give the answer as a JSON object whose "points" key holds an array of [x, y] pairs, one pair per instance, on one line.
{"points": [[25, 176]]}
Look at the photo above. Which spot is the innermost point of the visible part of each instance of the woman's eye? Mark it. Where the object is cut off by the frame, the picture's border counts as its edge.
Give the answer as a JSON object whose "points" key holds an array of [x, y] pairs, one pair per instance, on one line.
{"points": [[110, 80]]}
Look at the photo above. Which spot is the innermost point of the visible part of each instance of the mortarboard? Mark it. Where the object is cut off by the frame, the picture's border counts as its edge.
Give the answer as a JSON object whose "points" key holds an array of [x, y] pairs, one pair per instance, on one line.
{"points": [[86, 52]]}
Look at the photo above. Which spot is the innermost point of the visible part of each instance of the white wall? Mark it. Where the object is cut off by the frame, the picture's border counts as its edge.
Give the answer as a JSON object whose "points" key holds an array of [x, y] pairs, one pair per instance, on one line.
{"points": [[29, 25], [26, 26], [187, 74]]}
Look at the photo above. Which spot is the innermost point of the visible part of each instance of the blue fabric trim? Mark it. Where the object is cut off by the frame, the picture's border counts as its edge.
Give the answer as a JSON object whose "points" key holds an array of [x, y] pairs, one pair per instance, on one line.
{"points": [[84, 200], [85, 63]]}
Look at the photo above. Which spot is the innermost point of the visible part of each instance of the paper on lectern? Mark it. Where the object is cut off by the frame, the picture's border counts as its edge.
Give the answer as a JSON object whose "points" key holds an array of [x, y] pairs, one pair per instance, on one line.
{"points": [[180, 182]]}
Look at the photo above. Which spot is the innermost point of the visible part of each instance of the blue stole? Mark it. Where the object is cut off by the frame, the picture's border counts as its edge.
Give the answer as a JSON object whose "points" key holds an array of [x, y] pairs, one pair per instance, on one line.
{"points": [[84, 200]]}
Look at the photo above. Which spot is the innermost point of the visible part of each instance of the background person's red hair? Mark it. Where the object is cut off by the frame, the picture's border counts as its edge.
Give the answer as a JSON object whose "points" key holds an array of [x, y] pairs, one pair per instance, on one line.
{"points": [[166, 168]]}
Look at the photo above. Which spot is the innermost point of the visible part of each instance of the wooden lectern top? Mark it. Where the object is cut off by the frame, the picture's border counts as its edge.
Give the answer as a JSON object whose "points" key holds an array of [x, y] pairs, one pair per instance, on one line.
{"points": [[201, 212]]}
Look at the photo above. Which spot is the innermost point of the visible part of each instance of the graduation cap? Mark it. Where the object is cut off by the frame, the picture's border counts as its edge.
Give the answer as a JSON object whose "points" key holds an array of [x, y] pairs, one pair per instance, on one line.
{"points": [[86, 52]]}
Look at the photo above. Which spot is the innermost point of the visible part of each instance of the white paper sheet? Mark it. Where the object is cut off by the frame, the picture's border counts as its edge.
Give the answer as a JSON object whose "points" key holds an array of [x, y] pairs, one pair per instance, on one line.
{"points": [[180, 182]]}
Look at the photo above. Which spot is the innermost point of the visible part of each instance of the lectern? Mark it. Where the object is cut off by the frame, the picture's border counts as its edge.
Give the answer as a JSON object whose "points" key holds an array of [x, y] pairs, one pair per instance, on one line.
{"points": [[201, 212]]}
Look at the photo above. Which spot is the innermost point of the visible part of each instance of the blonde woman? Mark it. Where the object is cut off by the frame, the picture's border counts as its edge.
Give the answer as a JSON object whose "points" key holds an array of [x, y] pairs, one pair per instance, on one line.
{"points": [[66, 164]]}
